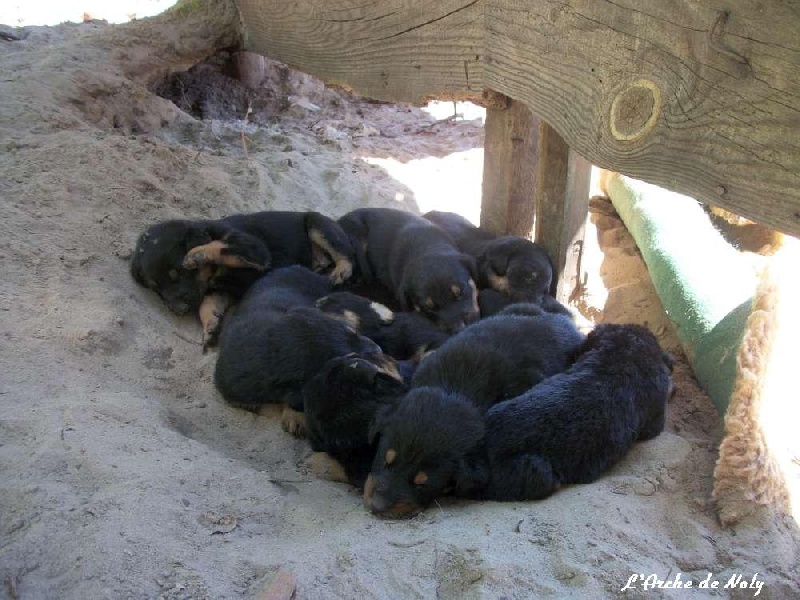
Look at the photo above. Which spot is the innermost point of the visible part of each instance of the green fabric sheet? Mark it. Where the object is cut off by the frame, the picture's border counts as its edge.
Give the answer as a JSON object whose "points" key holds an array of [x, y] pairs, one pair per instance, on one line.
{"points": [[705, 284]]}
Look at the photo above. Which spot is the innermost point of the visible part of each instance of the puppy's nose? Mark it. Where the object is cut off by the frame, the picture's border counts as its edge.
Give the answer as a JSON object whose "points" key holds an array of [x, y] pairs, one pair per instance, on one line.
{"points": [[379, 503]]}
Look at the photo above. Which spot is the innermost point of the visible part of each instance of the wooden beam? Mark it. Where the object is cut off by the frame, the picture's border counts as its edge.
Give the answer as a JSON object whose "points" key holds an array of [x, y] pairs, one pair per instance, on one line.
{"points": [[535, 187], [562, 204], [679, 94], [509, 170]]}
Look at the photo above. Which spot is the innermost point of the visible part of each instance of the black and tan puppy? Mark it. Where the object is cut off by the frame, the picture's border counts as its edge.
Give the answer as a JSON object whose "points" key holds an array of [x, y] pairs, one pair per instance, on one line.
{"points": [[401, 335], [574, 426], [275, 343], [183, 261], [509, 264], [417, 261], [430, 441], [340, 403]]}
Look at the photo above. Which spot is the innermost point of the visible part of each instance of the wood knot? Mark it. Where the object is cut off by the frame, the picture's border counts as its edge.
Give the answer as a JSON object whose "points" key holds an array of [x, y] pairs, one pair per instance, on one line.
{"points": [[635, 110]]}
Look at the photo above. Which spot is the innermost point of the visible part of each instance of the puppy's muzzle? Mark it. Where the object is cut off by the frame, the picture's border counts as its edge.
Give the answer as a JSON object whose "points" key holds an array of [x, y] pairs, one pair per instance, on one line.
{"points": [[380, 505]]}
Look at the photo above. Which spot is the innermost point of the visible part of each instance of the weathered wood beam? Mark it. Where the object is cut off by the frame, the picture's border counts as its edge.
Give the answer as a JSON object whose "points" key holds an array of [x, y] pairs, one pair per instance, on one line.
{"points": [[675, 93], [535, 187], [562, 203], [508, 199]]}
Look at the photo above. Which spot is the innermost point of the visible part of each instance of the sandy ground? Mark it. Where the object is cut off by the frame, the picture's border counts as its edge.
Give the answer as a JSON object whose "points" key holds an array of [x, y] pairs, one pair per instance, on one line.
{"points": [[124, 475]]}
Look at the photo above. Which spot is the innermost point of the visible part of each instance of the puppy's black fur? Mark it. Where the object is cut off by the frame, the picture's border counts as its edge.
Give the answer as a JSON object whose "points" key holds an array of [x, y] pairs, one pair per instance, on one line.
{"points": [[249, 245], [509, 264], [491, 302], [417, 261], [402, 335], [576, 425], [433, 436], [501, 357], [340, 402], [275, 342]]}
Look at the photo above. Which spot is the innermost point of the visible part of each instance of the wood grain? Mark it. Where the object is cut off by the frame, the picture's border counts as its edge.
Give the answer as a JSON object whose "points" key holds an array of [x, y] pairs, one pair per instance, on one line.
{"points": [[705, 103]]}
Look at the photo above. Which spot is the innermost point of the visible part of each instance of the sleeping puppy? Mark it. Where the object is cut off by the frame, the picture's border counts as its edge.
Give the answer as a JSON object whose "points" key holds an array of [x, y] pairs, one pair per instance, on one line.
{"points": [[275, 343], [576, 425], [509, 264], [417, 261], [183, 260], [430, 441], [339, 404], [401, 335], [501, 357]]}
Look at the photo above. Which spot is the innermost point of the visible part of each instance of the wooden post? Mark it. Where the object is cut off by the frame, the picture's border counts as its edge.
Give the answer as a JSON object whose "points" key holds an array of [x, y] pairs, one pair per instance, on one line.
{"points": [[509, 173], [535, 187]]}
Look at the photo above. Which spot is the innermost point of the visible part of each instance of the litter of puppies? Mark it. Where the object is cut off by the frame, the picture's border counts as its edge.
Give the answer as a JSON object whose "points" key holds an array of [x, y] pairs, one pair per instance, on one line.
{"points": [[421, 398]]}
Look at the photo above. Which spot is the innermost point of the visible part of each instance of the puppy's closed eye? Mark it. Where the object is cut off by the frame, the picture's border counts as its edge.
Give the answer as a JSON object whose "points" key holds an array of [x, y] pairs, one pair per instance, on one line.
{"points": [[173, 275]]}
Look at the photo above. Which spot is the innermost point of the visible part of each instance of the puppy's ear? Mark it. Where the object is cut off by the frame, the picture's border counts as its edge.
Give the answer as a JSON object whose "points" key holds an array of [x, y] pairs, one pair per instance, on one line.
{"points": [[469, 265], [379, 421], [496, 260], [197, 236], [407, 300]]}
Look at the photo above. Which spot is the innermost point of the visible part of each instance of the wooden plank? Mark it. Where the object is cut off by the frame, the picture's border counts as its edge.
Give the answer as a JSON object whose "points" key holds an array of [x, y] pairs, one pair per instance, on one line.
{"points": [[401, 50], [562, 204], [674, 93], [509, 170]]}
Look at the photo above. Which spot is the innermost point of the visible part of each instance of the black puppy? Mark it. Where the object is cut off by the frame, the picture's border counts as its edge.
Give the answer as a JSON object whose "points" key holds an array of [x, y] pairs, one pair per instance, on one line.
{"points": [[275, 343], [183, 260], [429, 441], [509, 264], [417, 261], [340, 403], [401, 335], [576, 425]]}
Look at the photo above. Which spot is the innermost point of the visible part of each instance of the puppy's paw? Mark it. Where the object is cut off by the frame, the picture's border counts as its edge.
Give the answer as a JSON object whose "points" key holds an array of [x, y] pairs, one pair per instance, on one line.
{"points": [[207, 254], [219, 253], [324, 466], [293, 422], [341, 272], [211, 330]]}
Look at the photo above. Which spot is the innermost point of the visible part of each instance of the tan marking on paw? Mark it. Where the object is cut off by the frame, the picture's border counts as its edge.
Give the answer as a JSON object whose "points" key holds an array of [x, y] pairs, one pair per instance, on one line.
{"points": [[391, 455], [211, 311], [293, 422], [323, 465], [369, 490], [343, 269], [213, 254], [352, 319], [387, 365]]}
